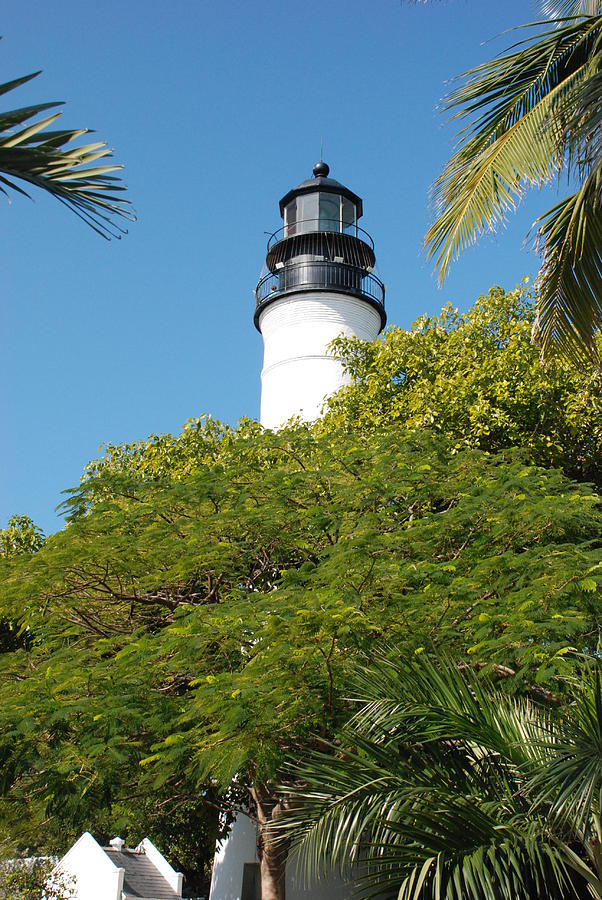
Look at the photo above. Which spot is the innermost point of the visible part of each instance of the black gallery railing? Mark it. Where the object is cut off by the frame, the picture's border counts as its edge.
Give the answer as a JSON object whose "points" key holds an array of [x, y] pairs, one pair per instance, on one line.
{"points": [[319, 226], [321, 275]]}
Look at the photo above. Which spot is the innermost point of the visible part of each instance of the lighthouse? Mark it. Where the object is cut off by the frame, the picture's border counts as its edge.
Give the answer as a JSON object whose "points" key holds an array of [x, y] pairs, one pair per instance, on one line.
{"points": [[318, 283]]}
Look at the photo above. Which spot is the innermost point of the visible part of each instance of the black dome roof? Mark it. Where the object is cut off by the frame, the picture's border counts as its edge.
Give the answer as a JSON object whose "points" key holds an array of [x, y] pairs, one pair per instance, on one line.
{"points": [[321, 182]]}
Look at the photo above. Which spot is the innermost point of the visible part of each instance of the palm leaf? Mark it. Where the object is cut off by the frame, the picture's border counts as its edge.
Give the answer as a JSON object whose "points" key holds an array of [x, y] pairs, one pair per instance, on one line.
{"points": [[33, 154], [557, 9], [530, 114], [570, 284], [442, 787], [569, 784], [516, 105]]}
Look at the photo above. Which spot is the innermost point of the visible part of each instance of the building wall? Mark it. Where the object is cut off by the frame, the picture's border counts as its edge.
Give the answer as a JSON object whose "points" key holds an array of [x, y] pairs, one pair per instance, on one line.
{"points": [[240, 847], [90, 873], [299, 371], [331, 887]]}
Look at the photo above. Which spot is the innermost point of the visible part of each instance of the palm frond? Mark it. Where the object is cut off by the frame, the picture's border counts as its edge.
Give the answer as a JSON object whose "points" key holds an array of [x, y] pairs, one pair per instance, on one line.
{"points": [[569, 783], [443, 787], [516, 105], [400, 830], [585, 124], [32, 154], [570, 283], [558, 9]]}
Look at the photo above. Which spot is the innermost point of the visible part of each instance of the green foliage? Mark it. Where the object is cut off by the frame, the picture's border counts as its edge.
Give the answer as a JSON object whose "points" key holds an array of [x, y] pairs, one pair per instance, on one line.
{"points": [[476, 378], [75, 772], [198, 627], [199, 616], [527, 116], [183, 825], [442, 786], [28, 879], [21, 535], [30, 153]]}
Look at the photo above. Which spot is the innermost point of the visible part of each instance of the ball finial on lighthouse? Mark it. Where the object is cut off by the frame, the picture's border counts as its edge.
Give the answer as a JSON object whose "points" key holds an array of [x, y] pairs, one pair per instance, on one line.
{"points": [[320, 283], [321, 169]]}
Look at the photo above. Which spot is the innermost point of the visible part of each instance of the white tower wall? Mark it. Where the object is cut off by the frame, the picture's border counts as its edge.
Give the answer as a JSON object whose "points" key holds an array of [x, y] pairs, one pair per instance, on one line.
{"points": [[299, 372]]}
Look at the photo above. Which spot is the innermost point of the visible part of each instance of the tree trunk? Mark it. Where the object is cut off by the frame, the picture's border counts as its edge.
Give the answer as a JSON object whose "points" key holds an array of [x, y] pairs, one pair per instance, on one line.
{"points": [[272, 851]]}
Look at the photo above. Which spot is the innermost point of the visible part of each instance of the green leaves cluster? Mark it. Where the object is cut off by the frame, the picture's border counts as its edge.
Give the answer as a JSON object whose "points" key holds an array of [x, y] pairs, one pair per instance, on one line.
{"points": [[21, 535], [198, 618], [477, 379], [28, 879]]}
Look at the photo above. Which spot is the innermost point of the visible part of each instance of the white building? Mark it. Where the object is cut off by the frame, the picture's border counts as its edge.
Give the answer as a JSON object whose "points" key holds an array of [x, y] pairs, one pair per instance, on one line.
{"points": [[91, 872], [318, 283]]}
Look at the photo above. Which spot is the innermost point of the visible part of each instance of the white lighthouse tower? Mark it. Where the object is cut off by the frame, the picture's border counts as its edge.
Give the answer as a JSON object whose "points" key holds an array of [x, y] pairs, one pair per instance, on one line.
{"points": [[319, 284]]}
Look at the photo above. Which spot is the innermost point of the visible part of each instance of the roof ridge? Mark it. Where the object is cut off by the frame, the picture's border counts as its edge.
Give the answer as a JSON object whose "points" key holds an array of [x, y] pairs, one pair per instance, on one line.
{"points": [[127, 850]]}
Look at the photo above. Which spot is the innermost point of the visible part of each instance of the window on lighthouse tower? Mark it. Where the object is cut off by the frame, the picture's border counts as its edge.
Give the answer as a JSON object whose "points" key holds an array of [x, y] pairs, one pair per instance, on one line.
{"points": [[348, 216], [290, 219], [330, 212], [307, 213], [320, 211]]}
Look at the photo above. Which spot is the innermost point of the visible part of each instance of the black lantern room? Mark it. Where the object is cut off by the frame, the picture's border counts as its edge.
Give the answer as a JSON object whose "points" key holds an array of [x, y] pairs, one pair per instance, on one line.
{"points": [[320, 246]]}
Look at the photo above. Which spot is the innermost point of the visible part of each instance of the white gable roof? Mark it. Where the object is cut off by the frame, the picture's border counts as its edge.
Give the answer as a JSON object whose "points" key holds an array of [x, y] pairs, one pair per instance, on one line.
{"points": [[110, 873]]}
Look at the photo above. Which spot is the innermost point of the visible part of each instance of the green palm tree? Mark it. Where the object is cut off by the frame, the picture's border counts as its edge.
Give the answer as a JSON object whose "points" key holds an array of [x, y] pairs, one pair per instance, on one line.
{"points": [[30, 153], [528, 116], [444, 787]]}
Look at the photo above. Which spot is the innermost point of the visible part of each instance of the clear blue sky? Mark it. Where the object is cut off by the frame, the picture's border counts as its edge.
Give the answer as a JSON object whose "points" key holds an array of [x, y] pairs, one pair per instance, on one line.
{"points": [[216, 109]]}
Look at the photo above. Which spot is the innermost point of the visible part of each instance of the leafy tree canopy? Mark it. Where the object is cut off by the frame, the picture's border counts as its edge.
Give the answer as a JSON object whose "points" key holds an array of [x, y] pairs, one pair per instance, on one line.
{"points": [[29, 879], [477, 379], [204, 626], [184, 824], [21, 535]]}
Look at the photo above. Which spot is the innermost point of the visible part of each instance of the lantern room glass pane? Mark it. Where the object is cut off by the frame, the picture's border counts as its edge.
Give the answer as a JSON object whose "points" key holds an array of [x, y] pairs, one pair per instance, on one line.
{"points": [[307, 213], [290, 218], [349, 217], [330, 212]]}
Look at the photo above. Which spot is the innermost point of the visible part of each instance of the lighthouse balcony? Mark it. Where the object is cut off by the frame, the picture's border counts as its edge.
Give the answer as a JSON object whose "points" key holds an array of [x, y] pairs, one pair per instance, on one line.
{"points": [[309, 241], [321, 226], [320, 275]]}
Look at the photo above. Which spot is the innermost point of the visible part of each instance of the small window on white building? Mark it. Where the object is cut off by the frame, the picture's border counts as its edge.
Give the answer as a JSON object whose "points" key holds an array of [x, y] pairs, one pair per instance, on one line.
{"points": [[251, 882]]}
